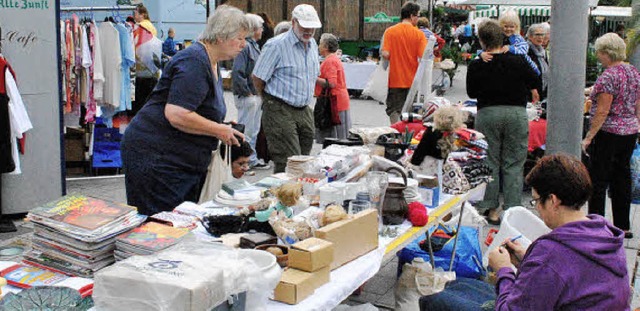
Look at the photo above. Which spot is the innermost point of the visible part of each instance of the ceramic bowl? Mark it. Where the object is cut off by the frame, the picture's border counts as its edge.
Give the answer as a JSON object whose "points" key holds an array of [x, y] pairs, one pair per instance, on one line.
{"points": [[282, 259]]}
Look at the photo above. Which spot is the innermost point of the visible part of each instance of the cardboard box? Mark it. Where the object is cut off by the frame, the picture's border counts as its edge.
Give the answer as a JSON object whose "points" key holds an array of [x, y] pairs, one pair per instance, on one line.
{"points": [[351, 238], [311, 254], [296, 285]]}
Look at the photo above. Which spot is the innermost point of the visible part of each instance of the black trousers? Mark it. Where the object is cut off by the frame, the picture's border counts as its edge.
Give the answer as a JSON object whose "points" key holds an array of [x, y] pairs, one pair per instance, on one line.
{"points": [[609, 168]]}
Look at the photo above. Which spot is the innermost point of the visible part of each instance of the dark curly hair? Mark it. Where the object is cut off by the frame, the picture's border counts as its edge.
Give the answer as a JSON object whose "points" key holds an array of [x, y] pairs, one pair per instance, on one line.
{"points": [[562, 175], [244, 150]]}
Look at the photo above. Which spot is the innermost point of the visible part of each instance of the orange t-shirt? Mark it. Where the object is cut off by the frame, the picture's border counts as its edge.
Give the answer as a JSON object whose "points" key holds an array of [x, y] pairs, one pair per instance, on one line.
{"points": [[405, 44], [332, 70]]}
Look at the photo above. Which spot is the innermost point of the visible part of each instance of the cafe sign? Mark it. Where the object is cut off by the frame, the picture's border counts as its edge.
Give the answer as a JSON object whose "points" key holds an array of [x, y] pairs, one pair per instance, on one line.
{"points": [[381, 17]]}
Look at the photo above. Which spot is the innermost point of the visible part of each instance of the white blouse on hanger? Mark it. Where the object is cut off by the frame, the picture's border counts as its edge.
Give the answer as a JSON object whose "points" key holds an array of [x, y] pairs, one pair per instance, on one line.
{"points": [[18, 117]]}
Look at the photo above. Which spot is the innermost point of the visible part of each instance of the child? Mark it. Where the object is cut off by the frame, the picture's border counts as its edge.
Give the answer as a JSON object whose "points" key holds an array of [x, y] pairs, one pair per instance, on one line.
{"points": [[514, 43]]}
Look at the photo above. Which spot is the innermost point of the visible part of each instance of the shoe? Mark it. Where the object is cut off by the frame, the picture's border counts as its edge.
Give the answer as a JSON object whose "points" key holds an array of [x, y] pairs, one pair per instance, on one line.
{"points": [[628, 235], [493, 222], [260, 166], [493, 213]]}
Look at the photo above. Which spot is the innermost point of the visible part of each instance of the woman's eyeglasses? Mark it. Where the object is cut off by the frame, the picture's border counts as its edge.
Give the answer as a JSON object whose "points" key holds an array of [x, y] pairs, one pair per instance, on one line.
{"points": [[242, 164], [540, 34], [534, 202]]}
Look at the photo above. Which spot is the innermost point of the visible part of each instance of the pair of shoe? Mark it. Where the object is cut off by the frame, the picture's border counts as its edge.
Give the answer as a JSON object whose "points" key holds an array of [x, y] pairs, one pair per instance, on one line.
{"points": [[260, 166]]}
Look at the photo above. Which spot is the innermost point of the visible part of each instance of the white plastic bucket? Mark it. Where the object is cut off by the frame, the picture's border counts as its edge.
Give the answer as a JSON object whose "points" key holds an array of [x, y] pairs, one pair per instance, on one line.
{"points": [[262, 278], [517, 220]]}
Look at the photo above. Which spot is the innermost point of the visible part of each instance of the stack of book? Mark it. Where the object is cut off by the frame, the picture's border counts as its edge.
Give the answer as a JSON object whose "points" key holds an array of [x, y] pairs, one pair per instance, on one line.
{"points": [[147, 239], [76, 234]]}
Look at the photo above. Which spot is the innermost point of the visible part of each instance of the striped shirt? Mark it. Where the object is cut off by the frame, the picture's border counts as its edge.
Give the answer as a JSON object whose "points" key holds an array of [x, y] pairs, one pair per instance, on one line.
{"points": [[288, 69]]}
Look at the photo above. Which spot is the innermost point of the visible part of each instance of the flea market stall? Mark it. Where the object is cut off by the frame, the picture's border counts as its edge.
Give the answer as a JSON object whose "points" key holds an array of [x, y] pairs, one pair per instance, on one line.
{"points": [[304, 239]]}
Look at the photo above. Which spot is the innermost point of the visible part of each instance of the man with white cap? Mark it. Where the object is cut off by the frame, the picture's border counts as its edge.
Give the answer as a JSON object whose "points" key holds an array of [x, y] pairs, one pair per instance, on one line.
{"points": [[285, 76]]}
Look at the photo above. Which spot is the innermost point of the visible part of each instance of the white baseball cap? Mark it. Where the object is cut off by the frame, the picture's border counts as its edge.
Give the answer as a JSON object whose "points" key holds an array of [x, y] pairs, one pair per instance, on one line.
{"points": [[307, 16]]}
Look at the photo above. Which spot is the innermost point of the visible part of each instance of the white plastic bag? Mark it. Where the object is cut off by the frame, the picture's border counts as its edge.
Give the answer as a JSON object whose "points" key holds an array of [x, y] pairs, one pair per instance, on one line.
{"points": [[419, 279], [378, 85], [218, 173]]}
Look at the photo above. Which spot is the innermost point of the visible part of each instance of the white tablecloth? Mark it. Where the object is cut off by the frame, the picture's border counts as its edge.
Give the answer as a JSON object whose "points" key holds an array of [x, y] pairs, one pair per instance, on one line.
{"points": [[357, 74], [344, 281]]}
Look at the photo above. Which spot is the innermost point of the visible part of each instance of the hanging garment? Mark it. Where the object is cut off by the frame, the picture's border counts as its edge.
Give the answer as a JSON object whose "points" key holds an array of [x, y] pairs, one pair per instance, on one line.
{"points": [[128, 61], [18, 117], [111, 62], [98, 71], [6, 159]]}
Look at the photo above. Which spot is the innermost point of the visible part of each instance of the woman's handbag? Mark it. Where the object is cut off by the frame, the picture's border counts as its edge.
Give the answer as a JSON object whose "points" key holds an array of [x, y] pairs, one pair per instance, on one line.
{"points": [[322, 116], [219, 172]]}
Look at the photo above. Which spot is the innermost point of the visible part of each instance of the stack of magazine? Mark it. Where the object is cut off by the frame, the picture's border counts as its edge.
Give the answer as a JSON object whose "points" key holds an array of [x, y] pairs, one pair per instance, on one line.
{"points": [[76, 234], [147, 239]]}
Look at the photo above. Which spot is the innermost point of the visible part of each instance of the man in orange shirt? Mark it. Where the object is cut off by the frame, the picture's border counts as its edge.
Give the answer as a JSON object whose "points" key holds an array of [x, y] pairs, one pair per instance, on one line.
{"points": [[403, 46]]}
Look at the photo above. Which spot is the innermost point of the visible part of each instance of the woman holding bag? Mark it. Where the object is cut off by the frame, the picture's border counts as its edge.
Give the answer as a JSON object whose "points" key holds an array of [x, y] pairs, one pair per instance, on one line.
{"points": [[166, 148], [332, 76]]}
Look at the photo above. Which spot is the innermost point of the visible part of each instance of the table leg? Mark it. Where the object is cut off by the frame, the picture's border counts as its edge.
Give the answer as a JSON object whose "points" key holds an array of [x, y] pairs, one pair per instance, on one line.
{"points": [[433, 262], [455, 242]]}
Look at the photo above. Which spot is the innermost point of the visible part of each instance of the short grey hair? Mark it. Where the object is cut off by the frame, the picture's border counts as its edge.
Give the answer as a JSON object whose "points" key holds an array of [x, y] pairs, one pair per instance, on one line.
{"points": [[612, 45], [225, 23], [255, 21], [330, 41], [282, 27], [532, 29]]}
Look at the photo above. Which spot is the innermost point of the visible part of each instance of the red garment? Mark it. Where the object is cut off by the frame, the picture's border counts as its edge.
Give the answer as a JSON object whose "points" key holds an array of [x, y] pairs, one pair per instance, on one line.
{"points": [[438, 47], [416, 127], [537, 134], [332, 70]]}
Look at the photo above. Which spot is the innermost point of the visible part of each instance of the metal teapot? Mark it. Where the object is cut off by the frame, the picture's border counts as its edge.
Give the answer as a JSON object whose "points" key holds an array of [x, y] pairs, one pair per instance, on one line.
{"points": [[395, 208]]}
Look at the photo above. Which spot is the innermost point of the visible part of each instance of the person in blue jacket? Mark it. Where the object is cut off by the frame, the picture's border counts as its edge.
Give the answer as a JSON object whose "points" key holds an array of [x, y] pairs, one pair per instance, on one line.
{"points": [[169, 46]]}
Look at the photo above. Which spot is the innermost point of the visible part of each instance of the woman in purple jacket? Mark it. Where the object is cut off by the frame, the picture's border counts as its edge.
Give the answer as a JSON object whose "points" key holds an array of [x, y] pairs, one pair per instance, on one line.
{"points": [[580, 265]]}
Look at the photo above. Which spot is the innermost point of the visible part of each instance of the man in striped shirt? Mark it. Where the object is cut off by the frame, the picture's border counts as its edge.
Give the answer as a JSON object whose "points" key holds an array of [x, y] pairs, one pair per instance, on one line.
{"points": [[285, 76]]}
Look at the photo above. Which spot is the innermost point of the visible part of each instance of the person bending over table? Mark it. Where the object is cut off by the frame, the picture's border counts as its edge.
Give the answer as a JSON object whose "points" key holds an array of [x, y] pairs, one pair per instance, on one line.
{"points": [[579, 265], [167, 147], [240, 158]]}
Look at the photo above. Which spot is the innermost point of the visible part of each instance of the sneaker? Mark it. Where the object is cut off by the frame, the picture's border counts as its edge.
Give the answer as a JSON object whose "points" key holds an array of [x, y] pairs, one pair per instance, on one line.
{"points": [[260, 166]]}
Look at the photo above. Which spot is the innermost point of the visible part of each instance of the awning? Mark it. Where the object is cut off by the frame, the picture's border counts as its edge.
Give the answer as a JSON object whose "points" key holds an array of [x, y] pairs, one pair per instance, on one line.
{"points": [[592, 3], [521, 10], [612, 11], [607, 11]]}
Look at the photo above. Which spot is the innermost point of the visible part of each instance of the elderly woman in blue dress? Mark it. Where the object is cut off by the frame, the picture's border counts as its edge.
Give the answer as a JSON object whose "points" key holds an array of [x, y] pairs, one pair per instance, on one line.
{"points": [[167, 146]]}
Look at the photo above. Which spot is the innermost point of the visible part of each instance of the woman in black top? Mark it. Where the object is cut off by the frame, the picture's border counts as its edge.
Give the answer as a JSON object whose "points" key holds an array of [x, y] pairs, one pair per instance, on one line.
{"points": [[501, 87]]}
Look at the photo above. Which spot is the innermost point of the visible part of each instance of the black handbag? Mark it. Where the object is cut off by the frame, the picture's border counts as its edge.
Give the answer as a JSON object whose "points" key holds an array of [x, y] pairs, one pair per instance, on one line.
{"points": [[322, 111]]}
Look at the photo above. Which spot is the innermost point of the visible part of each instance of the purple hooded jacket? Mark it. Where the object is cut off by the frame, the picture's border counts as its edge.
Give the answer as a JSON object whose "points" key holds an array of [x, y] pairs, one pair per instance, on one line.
{"points": [[578, 266]]}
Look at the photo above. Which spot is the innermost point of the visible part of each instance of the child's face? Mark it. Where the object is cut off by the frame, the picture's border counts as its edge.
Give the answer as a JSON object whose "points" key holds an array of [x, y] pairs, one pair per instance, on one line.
{"points": [[509, 29]]}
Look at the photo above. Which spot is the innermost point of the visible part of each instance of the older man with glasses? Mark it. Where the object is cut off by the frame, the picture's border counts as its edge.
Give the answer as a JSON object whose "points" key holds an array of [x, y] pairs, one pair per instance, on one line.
{"points": [[285, 76]]}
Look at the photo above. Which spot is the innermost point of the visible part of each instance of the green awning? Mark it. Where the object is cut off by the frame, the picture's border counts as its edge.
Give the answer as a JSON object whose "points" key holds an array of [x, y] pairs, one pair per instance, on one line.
{"points": [[521, 10]]}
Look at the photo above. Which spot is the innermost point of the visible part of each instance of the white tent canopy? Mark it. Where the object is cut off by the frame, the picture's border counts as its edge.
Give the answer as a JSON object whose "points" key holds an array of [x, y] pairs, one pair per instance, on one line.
{"points": [[607, 11], [592, 3]]}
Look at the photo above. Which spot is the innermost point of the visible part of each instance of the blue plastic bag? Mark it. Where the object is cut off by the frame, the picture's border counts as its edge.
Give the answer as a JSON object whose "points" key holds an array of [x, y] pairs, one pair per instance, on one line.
{"points": [[635, 175], [467, 262]]}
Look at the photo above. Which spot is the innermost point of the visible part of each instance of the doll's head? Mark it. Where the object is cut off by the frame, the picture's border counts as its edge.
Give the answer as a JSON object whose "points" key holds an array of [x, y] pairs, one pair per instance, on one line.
{"points": [[289, 193], [448, 119]]}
